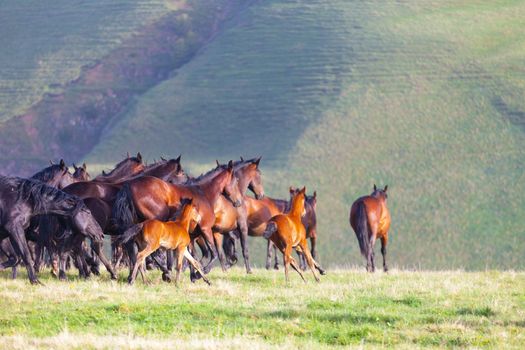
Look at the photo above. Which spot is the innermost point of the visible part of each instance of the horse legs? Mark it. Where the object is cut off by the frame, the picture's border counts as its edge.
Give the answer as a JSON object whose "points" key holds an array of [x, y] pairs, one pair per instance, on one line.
{"points": [[208, 236], [244, 244], [19, 242], [131, 249], [308, 256], [178, 267], [297, 268], [218, 239], [63, 265], [384, 241], [141, 257], [269, 254], [166, 273], [196, 265], [98, 248]]}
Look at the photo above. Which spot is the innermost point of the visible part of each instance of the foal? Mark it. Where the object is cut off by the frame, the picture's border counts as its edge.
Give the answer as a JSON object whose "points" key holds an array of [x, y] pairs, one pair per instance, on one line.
{"points": [[287, 231], [153, 234]]}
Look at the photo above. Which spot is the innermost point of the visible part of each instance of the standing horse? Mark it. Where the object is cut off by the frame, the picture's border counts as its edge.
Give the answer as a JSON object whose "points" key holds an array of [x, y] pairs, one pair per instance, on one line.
{"points": [[229, 217], [152, 234], [287, 231], [22, 199], [370, 219]]}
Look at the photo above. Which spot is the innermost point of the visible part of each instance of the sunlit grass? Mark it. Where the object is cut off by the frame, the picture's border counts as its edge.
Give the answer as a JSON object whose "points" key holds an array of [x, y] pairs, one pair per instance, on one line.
{"points": [[348, 307]]}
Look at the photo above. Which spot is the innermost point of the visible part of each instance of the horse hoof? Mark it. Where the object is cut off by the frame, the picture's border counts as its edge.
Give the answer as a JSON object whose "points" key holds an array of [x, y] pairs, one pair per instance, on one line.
{"points": [[249, 271], [166, 278], [114, 277], [276, 267]]}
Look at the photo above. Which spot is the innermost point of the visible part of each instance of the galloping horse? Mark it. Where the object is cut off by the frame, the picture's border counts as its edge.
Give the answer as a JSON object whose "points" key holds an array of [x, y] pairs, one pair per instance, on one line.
{"points": [[309, 221], [370, 219], [22, 199], [287, 231], [150, 235], [151, 198]]}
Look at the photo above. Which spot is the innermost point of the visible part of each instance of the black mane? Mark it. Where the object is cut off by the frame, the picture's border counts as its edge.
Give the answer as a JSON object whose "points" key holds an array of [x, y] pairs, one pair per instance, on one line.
{"points": [[48, 173], [41, 195]]}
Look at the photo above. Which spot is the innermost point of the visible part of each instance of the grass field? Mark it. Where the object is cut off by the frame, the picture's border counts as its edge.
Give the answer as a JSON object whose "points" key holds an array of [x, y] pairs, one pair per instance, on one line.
{"points": [[402, 309]]}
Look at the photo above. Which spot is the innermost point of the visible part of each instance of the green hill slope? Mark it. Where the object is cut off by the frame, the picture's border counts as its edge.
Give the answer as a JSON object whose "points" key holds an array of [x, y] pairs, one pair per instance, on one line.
{"points": [[425, 97], [339, 95]]}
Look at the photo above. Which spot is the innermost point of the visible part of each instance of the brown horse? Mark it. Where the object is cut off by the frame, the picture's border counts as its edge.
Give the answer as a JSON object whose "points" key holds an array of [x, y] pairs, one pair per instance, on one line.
{"points": [[310, 224], [229, 217], [370, 219], [151, 198], [259, 212], [123, 170], [152, 234], [287, 231]]}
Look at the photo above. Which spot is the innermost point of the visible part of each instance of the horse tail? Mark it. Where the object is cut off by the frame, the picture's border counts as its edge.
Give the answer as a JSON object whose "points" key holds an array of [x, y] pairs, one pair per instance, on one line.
{"points": [[362, 231], [123, 213], [129, 234], [271, 228]]}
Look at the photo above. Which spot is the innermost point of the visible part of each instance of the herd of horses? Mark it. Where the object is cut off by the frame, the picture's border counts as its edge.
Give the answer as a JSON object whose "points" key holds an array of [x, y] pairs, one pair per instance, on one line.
{"points": [[158, 215]]}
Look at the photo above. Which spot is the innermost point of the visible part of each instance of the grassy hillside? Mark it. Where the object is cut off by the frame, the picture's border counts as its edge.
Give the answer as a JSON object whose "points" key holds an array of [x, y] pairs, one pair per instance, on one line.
{"points": [[45, 44], [348, 308], [425, 97]]}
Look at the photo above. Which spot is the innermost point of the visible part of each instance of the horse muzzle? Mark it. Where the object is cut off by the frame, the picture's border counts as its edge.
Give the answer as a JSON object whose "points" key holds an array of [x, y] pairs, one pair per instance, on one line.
{"points": [[237, 203], [259, 196]]}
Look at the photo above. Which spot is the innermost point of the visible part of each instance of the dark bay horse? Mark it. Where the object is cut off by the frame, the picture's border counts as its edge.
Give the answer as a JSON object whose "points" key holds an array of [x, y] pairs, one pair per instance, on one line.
{"points": [[370, 219], [22, 199], [287, 231], [152, 234], [151, 198]]}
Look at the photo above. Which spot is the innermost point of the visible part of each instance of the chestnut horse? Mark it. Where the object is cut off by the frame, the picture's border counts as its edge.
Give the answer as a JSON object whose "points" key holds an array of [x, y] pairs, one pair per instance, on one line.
{"points": [[370, 219], [152, 234], [287, 231], [151, 198], [310, 224]]}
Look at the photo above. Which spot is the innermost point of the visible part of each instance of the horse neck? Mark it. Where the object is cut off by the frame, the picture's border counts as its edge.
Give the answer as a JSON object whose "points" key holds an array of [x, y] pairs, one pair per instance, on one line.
{"points": [[213, 188], [243, 182], [185, 220], [297, 209]]}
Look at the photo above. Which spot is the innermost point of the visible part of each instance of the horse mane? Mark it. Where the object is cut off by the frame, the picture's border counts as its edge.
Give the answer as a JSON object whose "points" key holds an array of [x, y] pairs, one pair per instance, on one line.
{"points": [[40, 194], [206, 176], [47, 174], [117, 171]]}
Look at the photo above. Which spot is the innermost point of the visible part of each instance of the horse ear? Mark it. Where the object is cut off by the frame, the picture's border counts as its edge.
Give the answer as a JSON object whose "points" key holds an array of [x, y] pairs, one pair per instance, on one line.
{"points": [[303, 191], [230, 165], [51, 162], [292, 190], [139, 157], [75, 166], [315, 194], [218, 164], [84, 166], [104, 173], [386, 188], [257, 161], [62, 164], [178, 158], [375, 187], [242, 159], [162, 158]]}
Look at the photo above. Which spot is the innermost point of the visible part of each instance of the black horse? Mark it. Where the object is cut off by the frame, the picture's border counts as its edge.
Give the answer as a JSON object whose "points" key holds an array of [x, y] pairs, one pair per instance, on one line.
{"points": [[22, 199]]}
